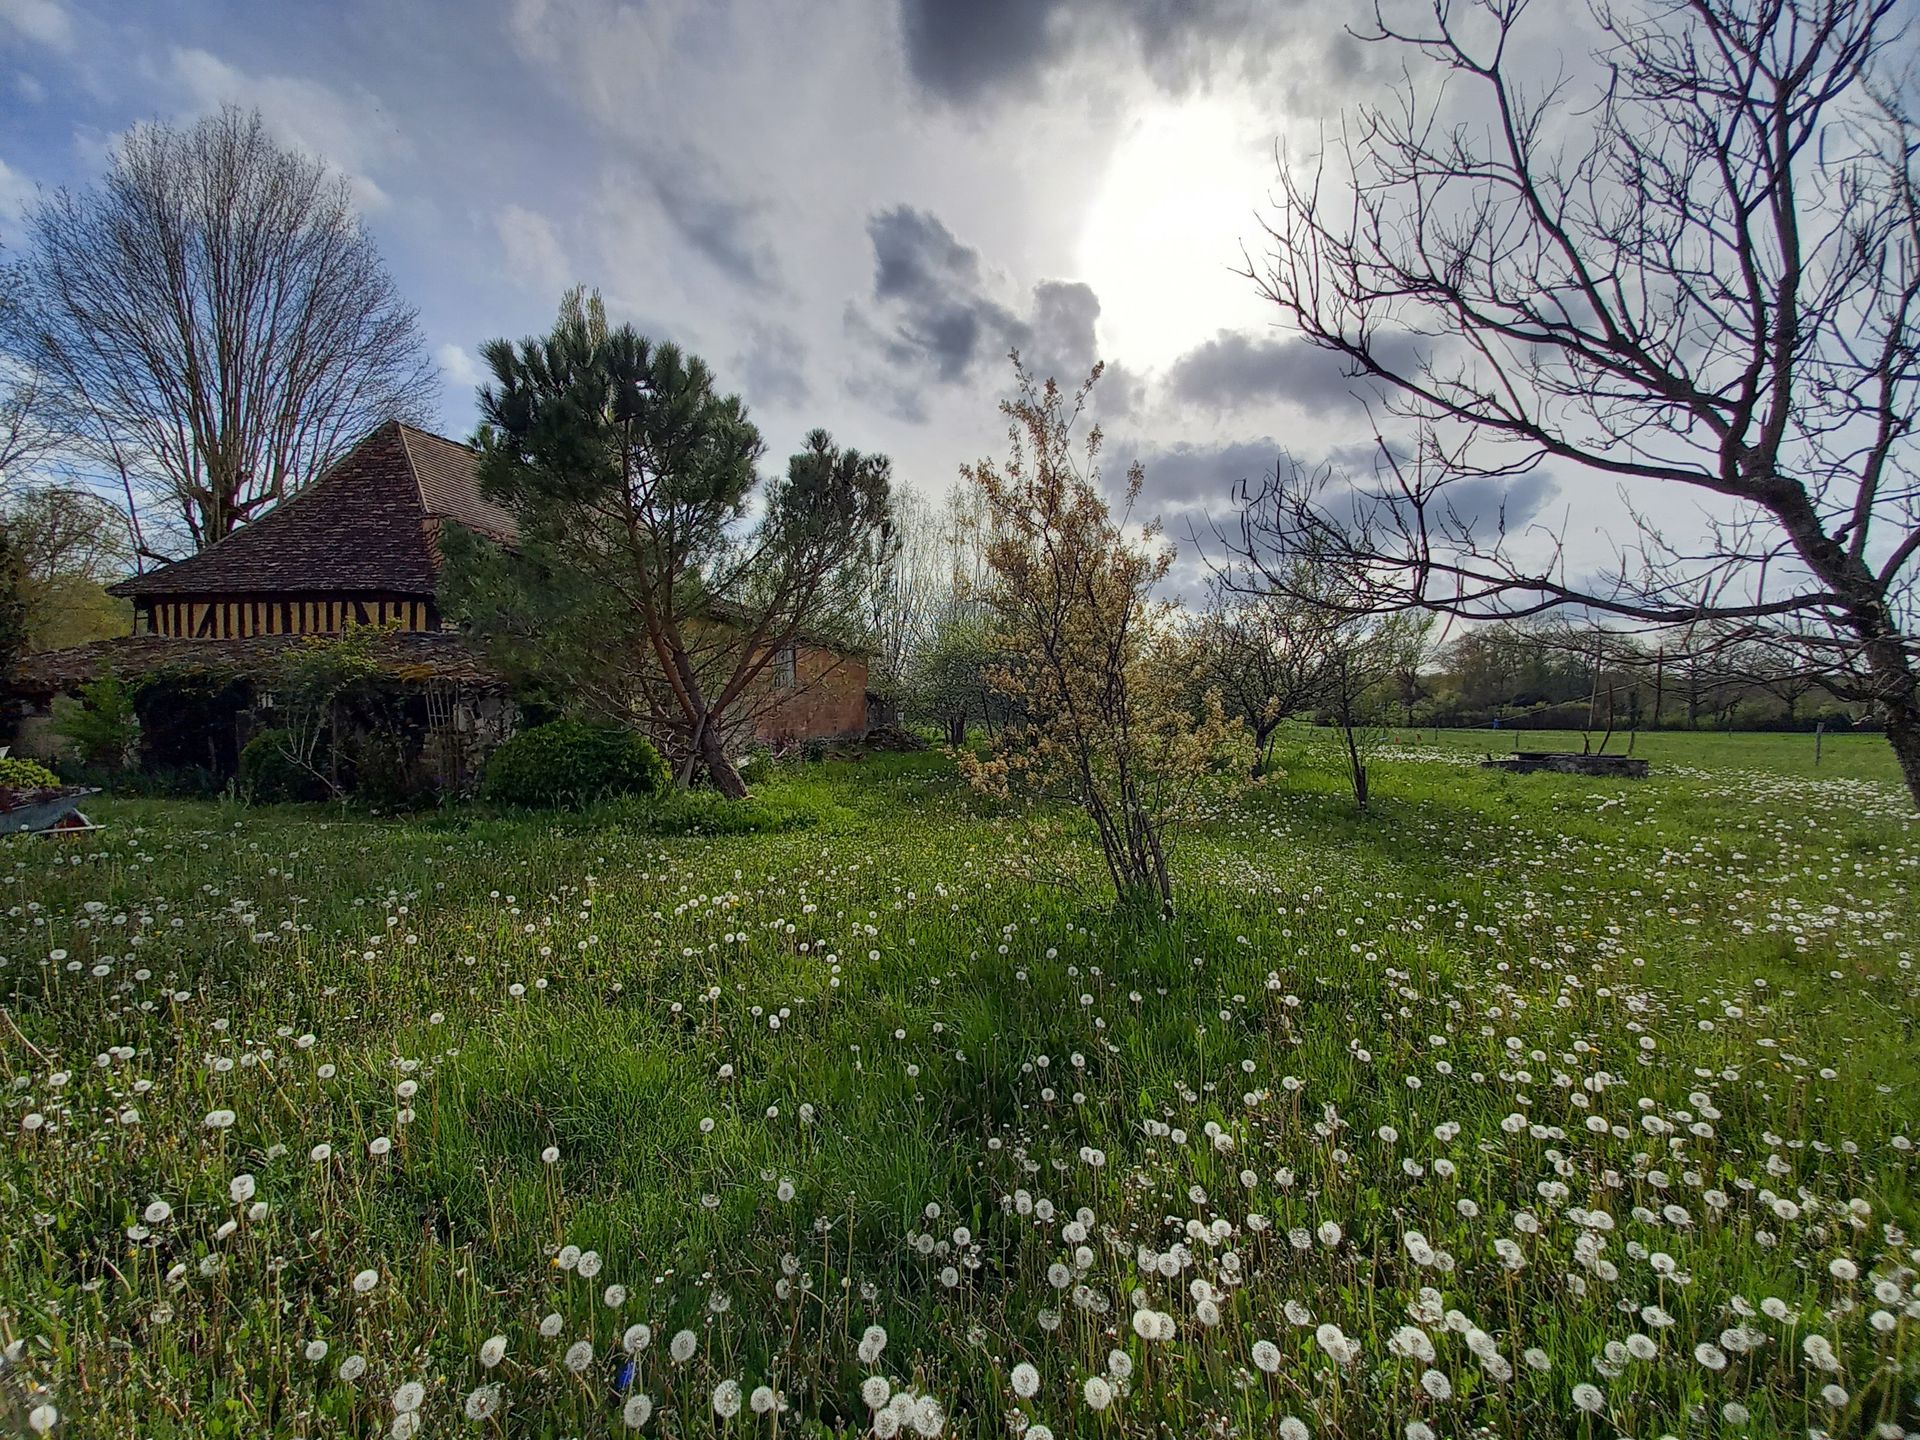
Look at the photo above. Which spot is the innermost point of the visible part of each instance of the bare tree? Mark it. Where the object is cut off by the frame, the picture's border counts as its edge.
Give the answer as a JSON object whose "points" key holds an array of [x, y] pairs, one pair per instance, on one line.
{"points": [[1268, 651], [31, 426], [216, 321], [1699, 278]]}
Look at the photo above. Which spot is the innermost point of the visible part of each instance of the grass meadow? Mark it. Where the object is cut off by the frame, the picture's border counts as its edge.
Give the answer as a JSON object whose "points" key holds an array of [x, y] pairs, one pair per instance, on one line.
{"points": [[1523, 1106]]}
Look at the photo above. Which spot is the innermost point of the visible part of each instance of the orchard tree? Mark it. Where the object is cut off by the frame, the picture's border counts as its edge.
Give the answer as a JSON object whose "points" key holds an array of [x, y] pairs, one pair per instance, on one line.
{"points": [[214, 323], [1091, 657], [1692, 271], [1266, 652], [640, 584]]}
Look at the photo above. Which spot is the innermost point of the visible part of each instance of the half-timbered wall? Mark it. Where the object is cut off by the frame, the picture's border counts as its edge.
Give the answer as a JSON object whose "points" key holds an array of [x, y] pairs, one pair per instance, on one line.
{"points": [[227, 618]]}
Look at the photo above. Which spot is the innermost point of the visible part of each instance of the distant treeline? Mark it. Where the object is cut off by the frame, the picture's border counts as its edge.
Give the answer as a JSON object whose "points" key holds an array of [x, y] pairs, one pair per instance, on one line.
{"points": [[1553, 677]]}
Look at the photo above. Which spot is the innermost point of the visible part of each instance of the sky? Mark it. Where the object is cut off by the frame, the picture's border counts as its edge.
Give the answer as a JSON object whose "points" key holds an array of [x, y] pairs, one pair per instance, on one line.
{"points": [[852, 209]]}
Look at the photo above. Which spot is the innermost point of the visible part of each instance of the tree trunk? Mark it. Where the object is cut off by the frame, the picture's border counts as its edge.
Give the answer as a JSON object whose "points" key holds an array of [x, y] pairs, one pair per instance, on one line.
{"points": [[1900, 715], [713, 758], [1262, 740]]}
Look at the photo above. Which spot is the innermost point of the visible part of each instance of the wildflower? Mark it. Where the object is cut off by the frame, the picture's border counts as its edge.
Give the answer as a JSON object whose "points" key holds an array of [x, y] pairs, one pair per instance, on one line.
{"points": [[158, 1213], [872, 1342], [1339, 1348], [579, 1356], [637, 1338], [1099, 1394], [1588, 1398], [409, 1396], [352, 1368], [483, 1402], [682, 1346], [1266, 1356], [1292, 1427], [492, 1351], [365, 1281], [316, 1351], [550, 1325], [875, 1390], [763, 1400], [241, 1189], [1026, 1380], [42, 1418], [726, 1399], [636, 1411], [1436, 1384]]}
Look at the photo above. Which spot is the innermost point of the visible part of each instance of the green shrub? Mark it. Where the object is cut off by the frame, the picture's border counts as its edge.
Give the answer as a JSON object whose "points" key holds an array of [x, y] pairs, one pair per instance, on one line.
{"points": [[269, 774], [18, 774], [567, 762], [101, 725]]}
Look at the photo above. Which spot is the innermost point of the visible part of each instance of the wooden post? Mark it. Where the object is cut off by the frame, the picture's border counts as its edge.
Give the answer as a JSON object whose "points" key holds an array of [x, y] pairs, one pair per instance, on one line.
{"points": [[1819, 734]]}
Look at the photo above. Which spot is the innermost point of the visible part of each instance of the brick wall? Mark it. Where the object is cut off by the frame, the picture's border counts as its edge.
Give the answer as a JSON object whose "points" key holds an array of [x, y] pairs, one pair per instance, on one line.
{"points": [[830, 699]]}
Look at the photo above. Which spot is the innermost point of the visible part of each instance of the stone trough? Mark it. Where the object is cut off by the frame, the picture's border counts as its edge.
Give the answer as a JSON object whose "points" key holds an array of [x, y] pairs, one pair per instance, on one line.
{"points": [[1525, 762]]}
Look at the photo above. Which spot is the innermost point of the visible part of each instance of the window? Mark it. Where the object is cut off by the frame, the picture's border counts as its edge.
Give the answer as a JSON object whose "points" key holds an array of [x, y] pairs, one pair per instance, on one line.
{"points": [[786, 669]]}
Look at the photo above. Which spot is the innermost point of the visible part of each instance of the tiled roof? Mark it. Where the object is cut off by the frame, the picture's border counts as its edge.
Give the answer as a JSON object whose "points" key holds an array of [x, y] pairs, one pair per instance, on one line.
{"points": [[370, 523], [406, 654]]}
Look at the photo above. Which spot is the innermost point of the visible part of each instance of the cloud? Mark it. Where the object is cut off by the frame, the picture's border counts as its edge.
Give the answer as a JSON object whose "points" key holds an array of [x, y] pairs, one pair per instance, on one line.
{"points": [[1234, 370], [459, 366], [964, 51], [1188, 476], [41, 21], [725, 229], [533, 252], [772, 367], [16, 193], [350, 131], [929, 286]]}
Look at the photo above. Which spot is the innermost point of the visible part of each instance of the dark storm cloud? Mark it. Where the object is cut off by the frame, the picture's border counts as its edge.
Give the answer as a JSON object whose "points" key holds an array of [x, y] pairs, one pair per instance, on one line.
{"points": [[1234, 370], [1184, 477], [1064, 314], [1201, 479], [927, 286], [964, 50]]}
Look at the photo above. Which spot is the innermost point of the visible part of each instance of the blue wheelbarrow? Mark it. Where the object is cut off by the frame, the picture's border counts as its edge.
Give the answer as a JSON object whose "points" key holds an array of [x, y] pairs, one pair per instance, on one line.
{"points": [[40, 812]]}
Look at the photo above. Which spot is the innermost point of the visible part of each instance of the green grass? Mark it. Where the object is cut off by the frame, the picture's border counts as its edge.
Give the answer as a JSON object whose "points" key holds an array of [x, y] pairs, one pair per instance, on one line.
{"points": [[974, 1078]]}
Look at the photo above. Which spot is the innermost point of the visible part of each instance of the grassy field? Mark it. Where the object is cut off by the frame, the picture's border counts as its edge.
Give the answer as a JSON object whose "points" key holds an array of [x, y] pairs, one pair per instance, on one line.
{"points": [[1522, 1106]]}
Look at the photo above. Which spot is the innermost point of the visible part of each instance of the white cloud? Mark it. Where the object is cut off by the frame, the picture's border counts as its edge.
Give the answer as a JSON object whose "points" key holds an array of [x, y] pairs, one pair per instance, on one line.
{"points": [[534, 255], [43, 21], [349, 131], [459, 366], [16, 191]]}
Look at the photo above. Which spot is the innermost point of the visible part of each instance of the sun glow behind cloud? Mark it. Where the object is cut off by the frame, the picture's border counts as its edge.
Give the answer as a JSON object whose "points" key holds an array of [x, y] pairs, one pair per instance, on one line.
{"points": [[1162, 239]]}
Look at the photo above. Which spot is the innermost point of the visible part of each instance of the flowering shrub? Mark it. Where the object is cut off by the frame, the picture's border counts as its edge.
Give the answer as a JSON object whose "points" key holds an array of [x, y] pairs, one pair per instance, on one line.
{"points": [[568, 762]]}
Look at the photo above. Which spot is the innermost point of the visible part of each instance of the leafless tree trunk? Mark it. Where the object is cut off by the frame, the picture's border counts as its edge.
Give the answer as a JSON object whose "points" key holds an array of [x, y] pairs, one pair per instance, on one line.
{"points": [[216, 321], [1712, 289]]}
